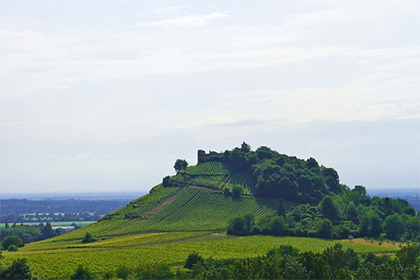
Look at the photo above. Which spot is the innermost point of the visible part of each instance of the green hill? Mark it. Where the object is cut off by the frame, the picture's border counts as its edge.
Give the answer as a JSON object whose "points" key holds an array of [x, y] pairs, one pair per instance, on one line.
{"points": [[299, 197], [280, 200]]}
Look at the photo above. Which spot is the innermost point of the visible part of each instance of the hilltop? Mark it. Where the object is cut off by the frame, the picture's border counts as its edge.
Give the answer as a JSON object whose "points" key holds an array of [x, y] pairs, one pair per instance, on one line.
{"points": [[281, 194]]}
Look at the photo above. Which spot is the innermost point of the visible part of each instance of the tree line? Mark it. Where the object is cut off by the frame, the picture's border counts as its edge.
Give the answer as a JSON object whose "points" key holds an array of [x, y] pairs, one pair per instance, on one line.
{"points": [[29, 234], [337, 217]]}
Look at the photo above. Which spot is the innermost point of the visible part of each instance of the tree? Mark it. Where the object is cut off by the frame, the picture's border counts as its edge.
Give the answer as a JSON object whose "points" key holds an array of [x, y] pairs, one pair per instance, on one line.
{"points": [[326, 229], [243, 225], [12, 248], [408, 254], [18, 269], [82, 273], [47, 231], [352, 212], [370, 224], [11, 240], [192, 259], [180, 165], [245, 147], [237, 190], [329, 209], [394, 226], [88, 238]]}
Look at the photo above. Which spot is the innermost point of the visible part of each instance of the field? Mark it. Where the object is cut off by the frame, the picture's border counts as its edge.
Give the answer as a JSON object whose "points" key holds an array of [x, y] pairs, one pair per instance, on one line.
{"points": [[57, 258]]}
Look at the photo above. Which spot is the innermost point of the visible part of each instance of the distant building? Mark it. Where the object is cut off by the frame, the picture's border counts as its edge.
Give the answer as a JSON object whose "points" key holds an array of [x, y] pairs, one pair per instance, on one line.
{"points": [[64, 229]]}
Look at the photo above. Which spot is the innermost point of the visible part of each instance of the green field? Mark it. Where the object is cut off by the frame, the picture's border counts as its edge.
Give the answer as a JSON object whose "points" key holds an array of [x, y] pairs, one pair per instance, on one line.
{"points": [[57, 258]]}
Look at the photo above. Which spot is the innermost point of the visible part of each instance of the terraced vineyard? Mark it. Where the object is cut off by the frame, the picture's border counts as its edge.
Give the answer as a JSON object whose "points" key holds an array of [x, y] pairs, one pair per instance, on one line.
{"points": [[186, 209], [209, 168]]}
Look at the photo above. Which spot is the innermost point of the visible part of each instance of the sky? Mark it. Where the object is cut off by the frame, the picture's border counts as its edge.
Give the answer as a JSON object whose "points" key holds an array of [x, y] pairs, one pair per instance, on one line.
{"points": [[104, 96]]}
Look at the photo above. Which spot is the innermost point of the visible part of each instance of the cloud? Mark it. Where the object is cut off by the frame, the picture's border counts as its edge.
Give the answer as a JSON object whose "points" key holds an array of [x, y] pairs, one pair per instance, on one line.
{"points": [[185, 22]]}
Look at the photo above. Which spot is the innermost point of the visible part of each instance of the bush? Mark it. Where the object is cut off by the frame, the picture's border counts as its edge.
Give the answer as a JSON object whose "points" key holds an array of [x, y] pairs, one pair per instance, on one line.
{"points": [[88, 238], [18, 269], [237, 190], [12, 248], [192, 259], [82, 273], [11, 240]]}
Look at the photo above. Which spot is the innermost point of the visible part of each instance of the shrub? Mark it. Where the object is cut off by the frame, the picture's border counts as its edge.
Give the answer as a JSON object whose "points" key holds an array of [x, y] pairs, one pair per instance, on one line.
{"points": [[88, 238], [82, 273], [192, 259], [12, 248], [11, 240], [237, 190]]}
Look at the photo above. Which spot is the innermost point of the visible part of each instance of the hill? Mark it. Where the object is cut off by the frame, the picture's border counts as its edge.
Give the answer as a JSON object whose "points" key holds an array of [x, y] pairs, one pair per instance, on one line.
{"points": [[299, 197], [278, 199]]}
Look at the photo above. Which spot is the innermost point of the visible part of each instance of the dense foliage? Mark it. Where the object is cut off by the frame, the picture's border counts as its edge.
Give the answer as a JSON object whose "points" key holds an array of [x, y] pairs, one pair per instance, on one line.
{"points": [[336, 217], [10, 241], [334, 262], [312, 201]]}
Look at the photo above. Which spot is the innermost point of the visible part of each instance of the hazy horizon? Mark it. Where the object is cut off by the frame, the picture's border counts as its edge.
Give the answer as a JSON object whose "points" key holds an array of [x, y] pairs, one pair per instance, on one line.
{"points": [[100, 96]]}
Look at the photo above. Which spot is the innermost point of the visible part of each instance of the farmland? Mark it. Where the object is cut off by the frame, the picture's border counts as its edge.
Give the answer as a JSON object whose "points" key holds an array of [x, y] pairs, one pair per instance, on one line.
{"points": [[58, 259]]}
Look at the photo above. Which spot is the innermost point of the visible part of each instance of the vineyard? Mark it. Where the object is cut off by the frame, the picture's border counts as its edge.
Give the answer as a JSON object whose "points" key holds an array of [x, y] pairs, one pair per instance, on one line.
{"points": [[187, 209], [208, 168], [51, 260]]}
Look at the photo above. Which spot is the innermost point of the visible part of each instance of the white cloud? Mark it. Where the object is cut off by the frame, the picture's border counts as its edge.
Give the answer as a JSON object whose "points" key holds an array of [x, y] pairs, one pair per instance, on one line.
{"points": [[198, 21]]}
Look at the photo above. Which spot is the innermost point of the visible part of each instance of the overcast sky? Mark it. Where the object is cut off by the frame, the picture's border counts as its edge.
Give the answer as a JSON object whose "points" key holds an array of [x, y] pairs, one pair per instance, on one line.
{"points": [[104, 96]]}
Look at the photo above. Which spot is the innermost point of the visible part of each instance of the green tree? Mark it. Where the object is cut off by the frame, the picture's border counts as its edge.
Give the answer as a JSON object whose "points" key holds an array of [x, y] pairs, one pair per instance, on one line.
{"points": [[12, 248], [237, 190], [11, 240], [326, 229], [329, 209], [243, 225], [82, 273], [352, 213], [47, 231], [88, 238], [408, 255], [277, 226], [394, 226], [192, 259], [180, 165], [18, 269]]}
